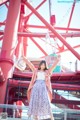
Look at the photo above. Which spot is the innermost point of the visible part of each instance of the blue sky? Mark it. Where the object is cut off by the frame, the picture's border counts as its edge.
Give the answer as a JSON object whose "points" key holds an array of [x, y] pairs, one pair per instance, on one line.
{"points": [[62, 12]]}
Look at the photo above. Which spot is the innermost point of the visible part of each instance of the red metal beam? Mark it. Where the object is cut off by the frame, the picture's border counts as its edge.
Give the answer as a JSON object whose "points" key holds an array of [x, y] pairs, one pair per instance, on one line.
{"points": [[44, 27], [62, 74], [70, 103], [3, 2], [52, 30], [6, 5], [37, 8], [38, 46], [43, 35], [77, 46], [26, 19], [69, 29], [2, 23], [57, 86], [57, 28], [27, 34], [1, 32], [69, 77], [68, 87]]}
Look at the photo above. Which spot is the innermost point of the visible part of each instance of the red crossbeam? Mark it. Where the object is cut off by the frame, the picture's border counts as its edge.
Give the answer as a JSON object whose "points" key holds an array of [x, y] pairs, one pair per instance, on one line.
{"points": [[3, 2], [56, 28], [57, 86], [69, 103]]}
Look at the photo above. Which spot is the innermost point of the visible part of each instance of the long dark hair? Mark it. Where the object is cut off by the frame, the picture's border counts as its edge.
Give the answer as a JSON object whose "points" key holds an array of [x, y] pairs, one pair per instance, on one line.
{"points": [[43, 62]]}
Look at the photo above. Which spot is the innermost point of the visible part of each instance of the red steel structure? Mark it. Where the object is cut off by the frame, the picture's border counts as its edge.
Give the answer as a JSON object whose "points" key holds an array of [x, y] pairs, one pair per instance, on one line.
{"points": [[16, 25]]}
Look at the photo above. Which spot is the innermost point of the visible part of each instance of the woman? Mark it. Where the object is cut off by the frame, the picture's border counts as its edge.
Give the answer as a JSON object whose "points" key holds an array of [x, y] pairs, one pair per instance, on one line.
{"points": [[39, 92]]}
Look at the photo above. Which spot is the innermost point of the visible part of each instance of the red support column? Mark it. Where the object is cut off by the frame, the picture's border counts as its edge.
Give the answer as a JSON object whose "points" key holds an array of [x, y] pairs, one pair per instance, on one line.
{"points": [[52, 29], [9, 43]]}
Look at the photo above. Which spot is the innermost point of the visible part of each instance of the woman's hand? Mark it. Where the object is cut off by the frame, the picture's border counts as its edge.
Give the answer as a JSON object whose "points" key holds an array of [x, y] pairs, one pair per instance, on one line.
{"points": [[56, 60], [59, 57], [28, 62]]}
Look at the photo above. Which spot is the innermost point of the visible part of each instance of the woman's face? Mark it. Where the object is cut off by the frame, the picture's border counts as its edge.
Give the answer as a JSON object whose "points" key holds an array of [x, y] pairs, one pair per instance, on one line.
{"points": [[42, 66]]}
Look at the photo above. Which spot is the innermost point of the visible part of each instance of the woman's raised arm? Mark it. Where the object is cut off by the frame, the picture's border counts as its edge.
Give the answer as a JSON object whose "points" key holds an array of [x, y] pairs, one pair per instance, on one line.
{"points": [[32, 67], [54, 64]]}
